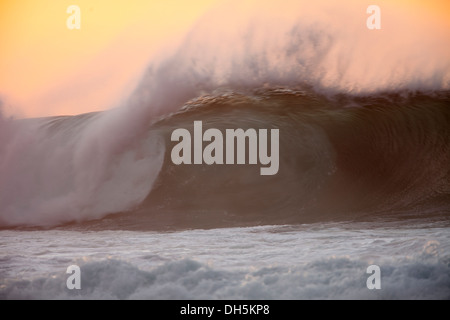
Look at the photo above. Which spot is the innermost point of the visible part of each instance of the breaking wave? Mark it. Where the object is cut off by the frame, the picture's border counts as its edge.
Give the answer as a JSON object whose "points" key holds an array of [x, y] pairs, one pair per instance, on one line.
{"points": [[363, 119], [339, 158]]}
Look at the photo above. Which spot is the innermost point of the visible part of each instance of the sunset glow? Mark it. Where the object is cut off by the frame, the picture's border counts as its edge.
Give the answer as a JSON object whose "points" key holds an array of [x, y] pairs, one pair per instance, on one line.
{"points": [[47, 69]]}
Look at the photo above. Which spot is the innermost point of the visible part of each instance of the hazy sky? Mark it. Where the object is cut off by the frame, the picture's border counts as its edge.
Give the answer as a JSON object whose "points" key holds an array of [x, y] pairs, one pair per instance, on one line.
{"points": [[47, 69]]}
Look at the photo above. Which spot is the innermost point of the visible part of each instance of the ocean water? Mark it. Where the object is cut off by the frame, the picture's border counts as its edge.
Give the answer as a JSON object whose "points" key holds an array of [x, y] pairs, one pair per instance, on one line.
{"points": [[314, 261], [363, 169]]}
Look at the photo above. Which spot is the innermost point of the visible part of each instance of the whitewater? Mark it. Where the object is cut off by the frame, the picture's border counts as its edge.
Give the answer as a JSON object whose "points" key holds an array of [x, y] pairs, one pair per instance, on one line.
{"points": [[364, 176], [267, 262]]}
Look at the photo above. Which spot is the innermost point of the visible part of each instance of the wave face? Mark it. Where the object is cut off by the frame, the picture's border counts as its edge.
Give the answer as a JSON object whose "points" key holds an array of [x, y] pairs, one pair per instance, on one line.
{"points": [[340, 158], [334, 162], [363, 122]]}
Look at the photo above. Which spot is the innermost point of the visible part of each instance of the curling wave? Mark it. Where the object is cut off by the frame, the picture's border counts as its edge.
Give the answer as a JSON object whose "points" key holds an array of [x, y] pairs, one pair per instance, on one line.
{"points": [[344, 157], [363, 120]]}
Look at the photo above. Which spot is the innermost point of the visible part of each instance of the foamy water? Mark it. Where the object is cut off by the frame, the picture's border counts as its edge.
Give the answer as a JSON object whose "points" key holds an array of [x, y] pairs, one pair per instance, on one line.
{"points": [[316, 261]]}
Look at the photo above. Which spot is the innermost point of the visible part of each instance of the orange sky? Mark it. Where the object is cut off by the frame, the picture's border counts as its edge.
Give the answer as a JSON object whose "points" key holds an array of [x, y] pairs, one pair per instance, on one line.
{"points": [[47, 69]]}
